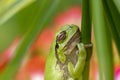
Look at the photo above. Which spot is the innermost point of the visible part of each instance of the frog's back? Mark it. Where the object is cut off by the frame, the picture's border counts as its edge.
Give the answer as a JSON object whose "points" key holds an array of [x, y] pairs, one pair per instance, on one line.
{"points": [[50, 68]]}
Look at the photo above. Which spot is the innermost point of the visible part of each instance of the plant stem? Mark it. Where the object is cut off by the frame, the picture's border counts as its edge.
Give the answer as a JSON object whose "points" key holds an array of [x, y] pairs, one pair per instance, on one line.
{"points": [[86, 35]]}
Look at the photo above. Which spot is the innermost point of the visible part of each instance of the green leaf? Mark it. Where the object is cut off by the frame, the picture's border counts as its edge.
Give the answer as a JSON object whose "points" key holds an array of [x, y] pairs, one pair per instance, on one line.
{"points": [[112, 26], [47, 11], [103, 41], [16, 25], [20, 22], [117, 4], [115, 14], [11, 7]]}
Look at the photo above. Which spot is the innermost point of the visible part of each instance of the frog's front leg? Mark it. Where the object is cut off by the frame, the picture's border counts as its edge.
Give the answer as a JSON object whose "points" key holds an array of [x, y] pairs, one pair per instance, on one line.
{"points": [[76, 72]]}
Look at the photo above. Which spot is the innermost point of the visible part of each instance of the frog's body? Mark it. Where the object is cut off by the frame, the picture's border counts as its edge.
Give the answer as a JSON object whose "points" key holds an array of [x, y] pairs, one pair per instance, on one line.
{"points": [[67, 55]]}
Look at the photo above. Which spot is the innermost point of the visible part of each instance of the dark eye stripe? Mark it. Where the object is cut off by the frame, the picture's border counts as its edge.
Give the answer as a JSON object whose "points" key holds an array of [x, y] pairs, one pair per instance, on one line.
{"points": [[61, 36]]}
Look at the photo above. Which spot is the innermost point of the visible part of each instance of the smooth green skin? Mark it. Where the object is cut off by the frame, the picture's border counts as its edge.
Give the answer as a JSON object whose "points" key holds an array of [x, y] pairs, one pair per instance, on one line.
{"points": [[76, 73], [52, 71]]}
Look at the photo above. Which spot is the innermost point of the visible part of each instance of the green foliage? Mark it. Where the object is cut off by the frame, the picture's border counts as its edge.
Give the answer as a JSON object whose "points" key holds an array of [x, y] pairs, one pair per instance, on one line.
{"points": [[10, 25], [103, 42], [28, 22], [113, 17], [22, 14]]}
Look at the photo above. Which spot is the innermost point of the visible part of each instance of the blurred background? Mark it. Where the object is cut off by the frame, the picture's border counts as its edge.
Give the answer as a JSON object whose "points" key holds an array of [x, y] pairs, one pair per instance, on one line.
{"points": [[18, 17]]}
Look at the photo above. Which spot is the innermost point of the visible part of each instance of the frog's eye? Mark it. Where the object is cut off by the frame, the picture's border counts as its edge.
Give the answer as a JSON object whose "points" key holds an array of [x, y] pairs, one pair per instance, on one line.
{"points": [[61, 36]]}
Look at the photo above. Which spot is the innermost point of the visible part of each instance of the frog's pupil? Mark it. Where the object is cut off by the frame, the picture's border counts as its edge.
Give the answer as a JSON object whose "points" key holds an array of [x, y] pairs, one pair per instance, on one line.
{"points": [[61, 36]]}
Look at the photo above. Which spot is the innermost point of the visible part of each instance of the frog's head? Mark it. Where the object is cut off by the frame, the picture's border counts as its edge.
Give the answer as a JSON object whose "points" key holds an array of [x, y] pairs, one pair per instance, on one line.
{"points": [[65, 37]]}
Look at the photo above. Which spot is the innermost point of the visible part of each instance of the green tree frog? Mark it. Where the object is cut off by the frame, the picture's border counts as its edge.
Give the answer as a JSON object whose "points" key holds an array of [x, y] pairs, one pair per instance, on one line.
{"points": [[67, 55]]}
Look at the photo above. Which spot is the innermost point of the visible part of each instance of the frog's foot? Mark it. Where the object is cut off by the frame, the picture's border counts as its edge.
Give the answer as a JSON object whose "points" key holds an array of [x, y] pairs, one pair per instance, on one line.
{"points": [[82, 51]]}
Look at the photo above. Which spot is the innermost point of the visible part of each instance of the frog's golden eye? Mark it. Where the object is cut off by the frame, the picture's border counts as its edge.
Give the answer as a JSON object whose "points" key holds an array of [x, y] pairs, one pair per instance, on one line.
{"points": [[61, 36]]}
